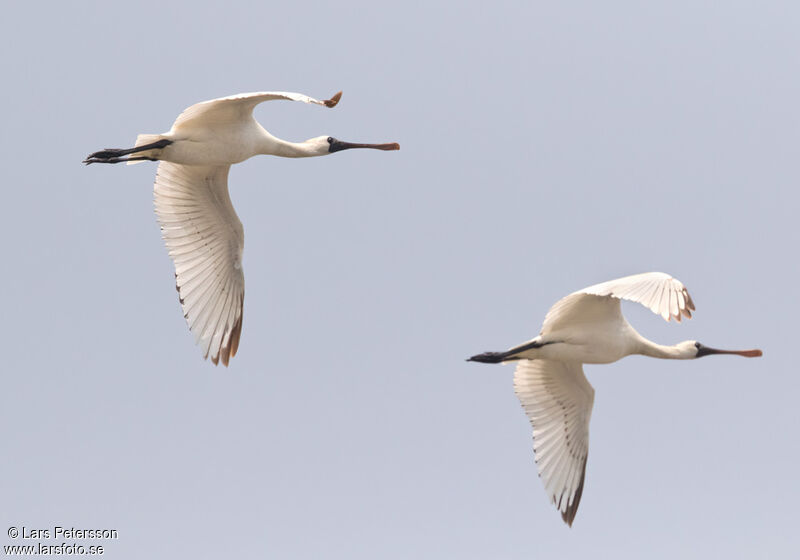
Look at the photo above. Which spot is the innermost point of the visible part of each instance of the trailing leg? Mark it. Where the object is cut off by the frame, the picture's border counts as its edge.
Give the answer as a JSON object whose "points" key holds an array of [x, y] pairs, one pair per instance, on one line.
{"points": [[516, 353], [115, 155]]}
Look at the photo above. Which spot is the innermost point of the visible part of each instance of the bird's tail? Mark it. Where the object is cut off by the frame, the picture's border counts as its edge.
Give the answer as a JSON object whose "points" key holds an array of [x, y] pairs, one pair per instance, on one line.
{"points": [[142, 140]]}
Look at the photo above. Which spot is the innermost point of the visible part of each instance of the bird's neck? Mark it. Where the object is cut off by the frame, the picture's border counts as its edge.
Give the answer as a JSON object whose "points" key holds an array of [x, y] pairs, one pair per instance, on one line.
{"points": [[270, 145], [650, 348]]}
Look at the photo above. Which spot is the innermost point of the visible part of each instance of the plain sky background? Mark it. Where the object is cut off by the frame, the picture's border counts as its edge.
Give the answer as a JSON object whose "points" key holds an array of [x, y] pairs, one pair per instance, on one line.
{"points": [[545, 147]]}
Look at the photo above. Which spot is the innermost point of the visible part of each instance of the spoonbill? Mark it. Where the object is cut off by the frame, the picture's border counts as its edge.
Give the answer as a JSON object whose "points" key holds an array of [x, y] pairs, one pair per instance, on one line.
{"points": [[587, 327], [202, 232]]}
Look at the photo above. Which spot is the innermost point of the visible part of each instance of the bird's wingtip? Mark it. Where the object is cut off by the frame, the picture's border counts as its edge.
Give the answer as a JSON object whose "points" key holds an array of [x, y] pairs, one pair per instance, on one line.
{"points": [[333, 101]]}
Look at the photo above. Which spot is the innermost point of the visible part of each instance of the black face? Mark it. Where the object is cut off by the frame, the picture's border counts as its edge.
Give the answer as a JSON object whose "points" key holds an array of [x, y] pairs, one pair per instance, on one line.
{"points": [[334, 145], [701, 350], [705, 350]]}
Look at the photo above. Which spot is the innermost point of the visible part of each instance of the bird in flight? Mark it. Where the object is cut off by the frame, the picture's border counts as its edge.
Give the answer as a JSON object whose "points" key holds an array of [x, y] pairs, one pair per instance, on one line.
{"points": [[202, 232], [587, 327]]}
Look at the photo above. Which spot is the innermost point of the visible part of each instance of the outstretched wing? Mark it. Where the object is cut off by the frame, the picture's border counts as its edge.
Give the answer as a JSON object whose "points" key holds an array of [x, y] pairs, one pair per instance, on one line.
{"points": [[236, 108], [205, 239], [558, 401], [659, 292]]}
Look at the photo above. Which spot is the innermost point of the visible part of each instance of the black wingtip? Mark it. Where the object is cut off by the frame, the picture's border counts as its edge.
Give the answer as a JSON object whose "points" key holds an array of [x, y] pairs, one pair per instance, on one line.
{"points": [[569, 515]]}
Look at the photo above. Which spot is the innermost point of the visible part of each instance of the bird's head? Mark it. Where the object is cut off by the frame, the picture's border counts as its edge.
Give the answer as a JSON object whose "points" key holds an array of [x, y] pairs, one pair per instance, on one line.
{"points": [[329, 145], [693, 349]]}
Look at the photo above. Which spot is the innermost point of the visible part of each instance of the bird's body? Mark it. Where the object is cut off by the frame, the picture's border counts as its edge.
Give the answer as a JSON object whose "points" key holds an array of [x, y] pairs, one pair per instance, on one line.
{"points": [[587, 327], [199, 224]]}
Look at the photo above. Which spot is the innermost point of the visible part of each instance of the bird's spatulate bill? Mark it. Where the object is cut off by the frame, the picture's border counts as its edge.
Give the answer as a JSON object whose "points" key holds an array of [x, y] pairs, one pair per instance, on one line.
{"points": [[338, 146], [706, 351], [751, 353]]}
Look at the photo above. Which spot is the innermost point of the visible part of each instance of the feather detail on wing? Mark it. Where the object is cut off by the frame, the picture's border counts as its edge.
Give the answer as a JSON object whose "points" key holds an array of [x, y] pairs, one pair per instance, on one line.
{"points": [[659, 292], [236, 108], [558, 401], [205, 239]]}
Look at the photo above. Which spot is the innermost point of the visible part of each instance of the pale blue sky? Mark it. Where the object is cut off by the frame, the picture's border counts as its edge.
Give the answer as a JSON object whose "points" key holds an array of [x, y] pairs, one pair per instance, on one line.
{"points": [[545, 147]]}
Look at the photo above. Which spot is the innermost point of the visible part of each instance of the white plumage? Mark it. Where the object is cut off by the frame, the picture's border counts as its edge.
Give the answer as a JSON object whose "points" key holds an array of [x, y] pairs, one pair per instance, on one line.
{"points": [[202, 232], [558, 400], [205, 239], [587, 326]]}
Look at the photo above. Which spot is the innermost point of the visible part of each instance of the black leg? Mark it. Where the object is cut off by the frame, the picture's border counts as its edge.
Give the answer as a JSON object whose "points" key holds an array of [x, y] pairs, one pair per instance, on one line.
{"points": [[491, 357], [509, 355], [114, 155], [89, 160]]}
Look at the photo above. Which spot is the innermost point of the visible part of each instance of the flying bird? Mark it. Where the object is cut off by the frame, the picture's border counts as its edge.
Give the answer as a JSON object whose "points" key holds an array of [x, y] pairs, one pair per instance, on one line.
{"points": [[202, 232], [587, 327]]}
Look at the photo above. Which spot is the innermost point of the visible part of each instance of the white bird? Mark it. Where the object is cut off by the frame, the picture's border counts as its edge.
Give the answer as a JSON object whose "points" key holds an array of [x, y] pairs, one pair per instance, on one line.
{"points": [[198, 223], [587, 327]]}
